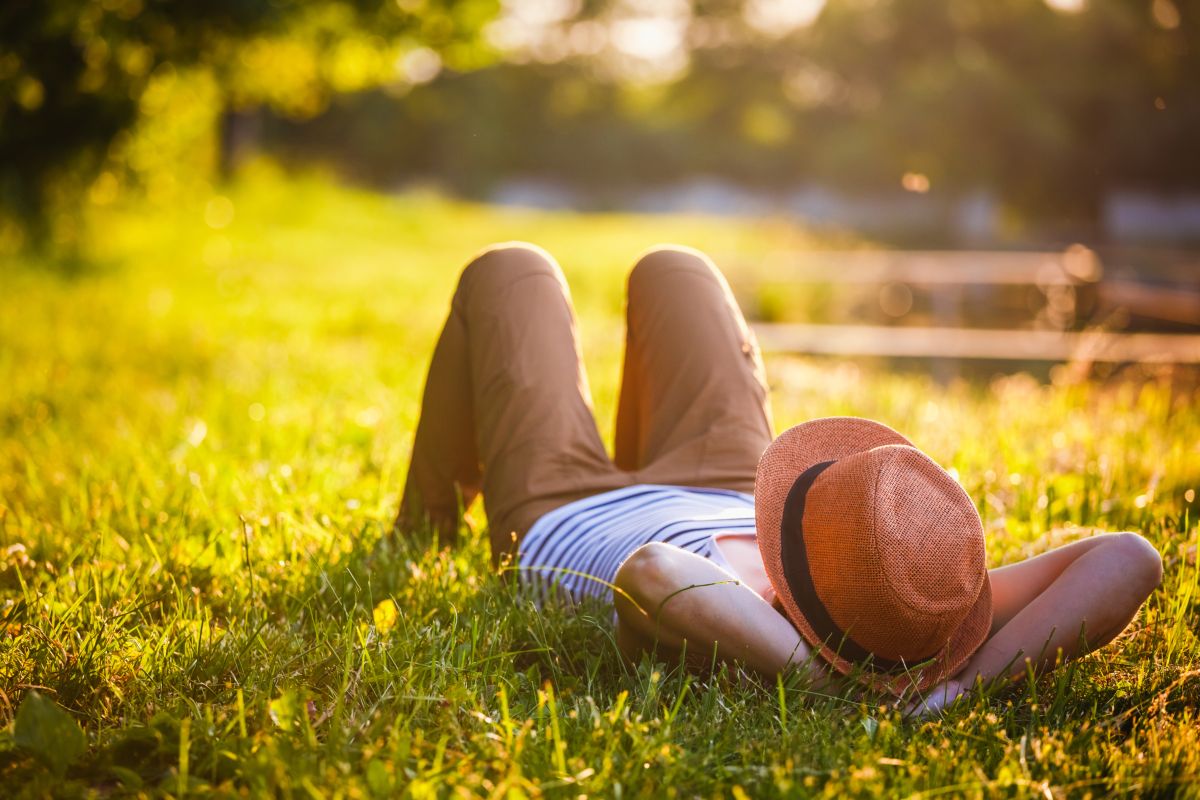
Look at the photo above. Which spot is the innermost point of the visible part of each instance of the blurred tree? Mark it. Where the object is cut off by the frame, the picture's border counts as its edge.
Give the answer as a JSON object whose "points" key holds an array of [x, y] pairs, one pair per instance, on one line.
{"points": [[1047, 104], [74, 74], [1050, 104]]}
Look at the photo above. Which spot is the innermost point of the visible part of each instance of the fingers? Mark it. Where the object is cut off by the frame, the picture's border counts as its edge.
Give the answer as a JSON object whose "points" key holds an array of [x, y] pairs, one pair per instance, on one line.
{"points": [[936, 701]]}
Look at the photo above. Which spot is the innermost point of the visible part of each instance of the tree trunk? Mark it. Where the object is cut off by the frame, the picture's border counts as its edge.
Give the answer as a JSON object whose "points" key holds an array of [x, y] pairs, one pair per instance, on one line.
{"points": [[241, 134]]}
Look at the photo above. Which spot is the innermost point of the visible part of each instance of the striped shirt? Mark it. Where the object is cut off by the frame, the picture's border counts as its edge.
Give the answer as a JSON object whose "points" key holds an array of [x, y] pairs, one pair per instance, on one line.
{"points": [[579, 547]]}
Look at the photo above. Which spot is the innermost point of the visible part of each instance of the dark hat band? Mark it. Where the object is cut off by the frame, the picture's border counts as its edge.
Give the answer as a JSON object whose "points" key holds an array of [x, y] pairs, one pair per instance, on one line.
{"points": [[794, 554]]}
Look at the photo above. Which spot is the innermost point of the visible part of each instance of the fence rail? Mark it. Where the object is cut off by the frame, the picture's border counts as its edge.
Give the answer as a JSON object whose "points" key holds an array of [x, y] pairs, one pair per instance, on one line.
{"points": [[974, 343], [1060, 275], [935, 267]]}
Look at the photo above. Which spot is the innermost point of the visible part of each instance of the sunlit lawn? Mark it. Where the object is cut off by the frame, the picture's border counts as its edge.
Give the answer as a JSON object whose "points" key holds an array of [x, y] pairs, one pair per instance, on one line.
{"points": [[202, 439]]}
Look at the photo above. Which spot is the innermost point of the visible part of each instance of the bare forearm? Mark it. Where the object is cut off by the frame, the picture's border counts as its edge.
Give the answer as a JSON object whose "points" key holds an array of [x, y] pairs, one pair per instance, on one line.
{"points": [[1015, 586], [1062, 604], [1090, 601]]}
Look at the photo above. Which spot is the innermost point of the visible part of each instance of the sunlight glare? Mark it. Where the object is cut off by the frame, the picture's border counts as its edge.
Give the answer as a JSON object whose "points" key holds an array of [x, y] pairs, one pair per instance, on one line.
{"points": [[1166, 14], [587, 38], [541, 12], [915, 182], [781, 17], [419, 65], [1067, 6], [650, 38]]}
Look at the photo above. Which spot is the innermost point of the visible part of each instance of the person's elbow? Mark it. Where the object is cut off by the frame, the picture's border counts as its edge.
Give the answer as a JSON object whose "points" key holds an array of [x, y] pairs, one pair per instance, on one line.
{"points": [[1140, 562], [646, 578]]}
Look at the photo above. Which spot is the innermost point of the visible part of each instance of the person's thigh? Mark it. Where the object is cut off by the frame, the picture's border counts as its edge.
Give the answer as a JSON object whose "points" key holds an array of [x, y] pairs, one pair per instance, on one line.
{"points": [[693, 408], [536, 434]]}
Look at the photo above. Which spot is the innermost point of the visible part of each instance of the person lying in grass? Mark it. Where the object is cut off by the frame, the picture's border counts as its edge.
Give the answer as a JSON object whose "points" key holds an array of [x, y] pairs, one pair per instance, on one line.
{"points": [[837, 548]]}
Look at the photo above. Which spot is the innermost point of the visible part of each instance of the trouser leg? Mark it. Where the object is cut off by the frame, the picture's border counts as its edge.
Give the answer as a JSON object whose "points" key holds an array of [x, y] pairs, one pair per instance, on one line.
{"points": [[693, 408], [444, 474], [511, 411]]}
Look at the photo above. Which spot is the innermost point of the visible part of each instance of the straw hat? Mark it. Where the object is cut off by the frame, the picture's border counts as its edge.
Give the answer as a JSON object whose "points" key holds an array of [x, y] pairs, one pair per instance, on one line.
{"points": [[875, 552]]}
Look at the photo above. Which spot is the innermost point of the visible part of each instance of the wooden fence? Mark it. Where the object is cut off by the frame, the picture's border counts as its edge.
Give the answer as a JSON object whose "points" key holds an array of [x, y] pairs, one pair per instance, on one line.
{"points": [[1063, 276]]}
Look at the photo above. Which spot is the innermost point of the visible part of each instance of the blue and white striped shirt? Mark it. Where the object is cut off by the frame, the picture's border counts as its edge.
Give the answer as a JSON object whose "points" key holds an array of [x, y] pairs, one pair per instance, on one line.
{"points": [[579, 546]]}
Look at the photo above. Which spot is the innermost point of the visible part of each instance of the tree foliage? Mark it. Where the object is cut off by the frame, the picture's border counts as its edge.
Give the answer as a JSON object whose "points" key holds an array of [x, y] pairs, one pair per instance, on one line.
{"points": [[1048, 104], [74, 72], [1048, 109]]}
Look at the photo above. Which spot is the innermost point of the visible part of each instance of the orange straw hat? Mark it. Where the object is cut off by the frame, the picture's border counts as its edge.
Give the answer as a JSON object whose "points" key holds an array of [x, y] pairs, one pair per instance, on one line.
{"points": [[875, 552]]}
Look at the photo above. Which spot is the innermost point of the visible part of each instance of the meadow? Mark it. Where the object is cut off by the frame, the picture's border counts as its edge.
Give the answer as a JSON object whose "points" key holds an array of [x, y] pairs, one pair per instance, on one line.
{"points": [[203, 434]]}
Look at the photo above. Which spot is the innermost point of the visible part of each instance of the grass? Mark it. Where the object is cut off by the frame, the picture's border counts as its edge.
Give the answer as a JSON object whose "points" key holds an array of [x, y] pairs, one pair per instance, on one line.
{"points": [[202, 440]]}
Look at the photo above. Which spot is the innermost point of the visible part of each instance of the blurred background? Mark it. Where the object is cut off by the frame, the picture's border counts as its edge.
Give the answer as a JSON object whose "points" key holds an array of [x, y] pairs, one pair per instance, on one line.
{"points": [[966, 165]]}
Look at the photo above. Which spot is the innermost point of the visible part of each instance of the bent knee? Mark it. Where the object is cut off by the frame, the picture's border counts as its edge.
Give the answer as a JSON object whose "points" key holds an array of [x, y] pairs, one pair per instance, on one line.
{"points": [[504, 263], [666, 259]]}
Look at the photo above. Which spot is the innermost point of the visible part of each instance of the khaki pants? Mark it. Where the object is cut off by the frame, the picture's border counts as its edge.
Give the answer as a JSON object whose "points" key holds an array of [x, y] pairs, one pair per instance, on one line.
{"points": [[507, 409]]}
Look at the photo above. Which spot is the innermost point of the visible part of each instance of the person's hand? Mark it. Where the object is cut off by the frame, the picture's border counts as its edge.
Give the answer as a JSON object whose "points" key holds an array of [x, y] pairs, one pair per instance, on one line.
{"points": [[936, 699]]}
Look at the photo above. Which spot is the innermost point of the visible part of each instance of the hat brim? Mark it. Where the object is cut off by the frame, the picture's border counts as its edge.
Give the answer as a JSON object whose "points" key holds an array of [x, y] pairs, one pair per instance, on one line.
{"points": [[793, 452]]}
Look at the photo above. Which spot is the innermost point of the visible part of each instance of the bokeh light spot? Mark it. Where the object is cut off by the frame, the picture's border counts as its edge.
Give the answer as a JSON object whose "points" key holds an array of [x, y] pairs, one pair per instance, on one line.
{"points": [[218, 213], [895, 299], [196, 432], [420, 65], [1166, 14], [1067, 6], [778, 18], [915, 182]]}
